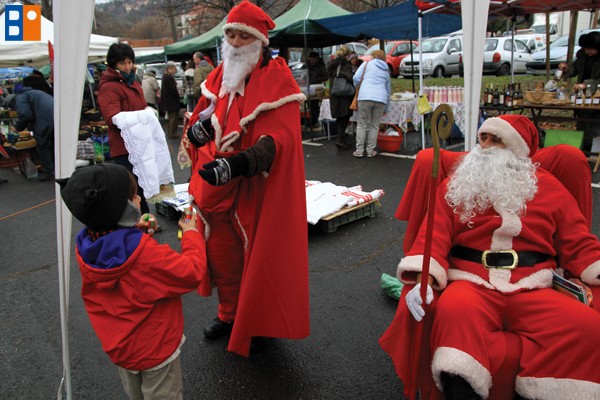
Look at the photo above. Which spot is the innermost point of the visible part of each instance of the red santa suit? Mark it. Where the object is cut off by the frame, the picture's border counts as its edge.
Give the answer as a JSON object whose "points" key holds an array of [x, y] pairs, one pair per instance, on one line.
{"points": [[257, 244], [549, 325]]}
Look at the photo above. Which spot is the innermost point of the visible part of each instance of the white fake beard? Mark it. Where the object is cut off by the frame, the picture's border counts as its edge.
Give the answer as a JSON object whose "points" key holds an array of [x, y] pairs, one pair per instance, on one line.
{"points": [[238, 63], [491, 177]]}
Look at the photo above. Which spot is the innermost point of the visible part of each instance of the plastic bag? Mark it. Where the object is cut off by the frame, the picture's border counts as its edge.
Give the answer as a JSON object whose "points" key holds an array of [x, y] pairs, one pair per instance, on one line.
{"points": [[391, 286], [423, 105]]}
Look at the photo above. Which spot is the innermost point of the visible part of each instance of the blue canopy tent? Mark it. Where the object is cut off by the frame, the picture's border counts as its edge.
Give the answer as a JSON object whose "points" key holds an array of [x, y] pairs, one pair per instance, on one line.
{"points": [[397, 22]]}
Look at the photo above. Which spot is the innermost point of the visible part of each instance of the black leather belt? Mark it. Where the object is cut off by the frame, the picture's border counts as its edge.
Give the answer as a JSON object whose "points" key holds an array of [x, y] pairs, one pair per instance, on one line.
{"points": [[503, 259]]}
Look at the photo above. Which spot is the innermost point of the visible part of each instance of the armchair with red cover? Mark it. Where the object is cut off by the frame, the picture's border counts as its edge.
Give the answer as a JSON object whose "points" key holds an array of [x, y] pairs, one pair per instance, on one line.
{"points": [[565, 162]]}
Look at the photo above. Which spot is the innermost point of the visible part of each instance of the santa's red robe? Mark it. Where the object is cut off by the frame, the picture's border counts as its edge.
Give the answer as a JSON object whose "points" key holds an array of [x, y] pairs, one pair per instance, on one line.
{"points": [[266, 211], [397, 339]]}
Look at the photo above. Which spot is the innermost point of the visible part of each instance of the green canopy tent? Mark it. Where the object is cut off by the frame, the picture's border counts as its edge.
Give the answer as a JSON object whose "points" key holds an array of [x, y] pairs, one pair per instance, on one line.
{"points": [[296, 28], [208, 40]]}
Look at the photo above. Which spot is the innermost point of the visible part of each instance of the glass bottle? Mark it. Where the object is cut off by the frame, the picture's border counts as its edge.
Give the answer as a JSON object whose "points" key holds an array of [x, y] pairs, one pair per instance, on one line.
{"points": [[509, 97], [573, 96], [502, 99], [588, 95], [496, 98], [579, 97], [596, 98]]}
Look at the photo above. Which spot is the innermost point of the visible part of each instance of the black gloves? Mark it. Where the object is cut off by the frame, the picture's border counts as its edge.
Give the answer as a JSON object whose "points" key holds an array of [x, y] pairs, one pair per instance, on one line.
{"points": [[201, 133], [222, 170]]}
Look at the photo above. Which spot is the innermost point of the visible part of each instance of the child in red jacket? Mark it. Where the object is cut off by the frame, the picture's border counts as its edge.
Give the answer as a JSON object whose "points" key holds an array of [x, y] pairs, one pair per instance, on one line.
{"points": [[131, 284]]}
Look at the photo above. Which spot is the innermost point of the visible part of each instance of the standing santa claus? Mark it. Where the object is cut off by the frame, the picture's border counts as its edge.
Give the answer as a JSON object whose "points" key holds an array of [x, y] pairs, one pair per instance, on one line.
{"points": [[502, 226], [248, 183]]}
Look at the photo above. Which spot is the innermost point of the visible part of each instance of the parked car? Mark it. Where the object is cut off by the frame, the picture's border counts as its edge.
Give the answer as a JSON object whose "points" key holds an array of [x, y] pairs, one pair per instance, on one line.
{"points": [[497, 56], [441, 56], [394, 53], [533, 41], [558, 54], [329, 52]]}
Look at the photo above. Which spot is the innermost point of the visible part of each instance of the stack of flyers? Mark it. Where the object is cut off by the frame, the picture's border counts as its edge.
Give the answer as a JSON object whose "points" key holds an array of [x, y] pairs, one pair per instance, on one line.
{"points": [[572, 287], [181, 199]]}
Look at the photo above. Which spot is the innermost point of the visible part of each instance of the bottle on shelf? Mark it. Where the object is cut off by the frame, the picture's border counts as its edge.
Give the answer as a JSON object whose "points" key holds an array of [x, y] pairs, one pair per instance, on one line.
{"points": [[579, 97], [509, 96], [496, 98], [588, 95], [573, 96], [596, 98], [502, 98], [518, 96], [490, 95]]}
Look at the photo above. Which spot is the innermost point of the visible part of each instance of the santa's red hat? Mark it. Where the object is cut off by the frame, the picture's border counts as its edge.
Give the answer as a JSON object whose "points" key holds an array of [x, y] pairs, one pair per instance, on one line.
{"points": [[517, 132], [250, 18]]}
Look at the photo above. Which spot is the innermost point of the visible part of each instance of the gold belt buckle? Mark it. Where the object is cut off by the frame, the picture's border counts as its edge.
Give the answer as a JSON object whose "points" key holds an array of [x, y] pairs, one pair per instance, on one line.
{"points": [[511, 267]]}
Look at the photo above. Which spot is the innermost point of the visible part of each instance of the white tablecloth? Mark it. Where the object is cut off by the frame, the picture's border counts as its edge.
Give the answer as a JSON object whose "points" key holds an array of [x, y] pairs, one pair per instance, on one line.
{"points": [[399, 113], [459, 114], [402, 111]]}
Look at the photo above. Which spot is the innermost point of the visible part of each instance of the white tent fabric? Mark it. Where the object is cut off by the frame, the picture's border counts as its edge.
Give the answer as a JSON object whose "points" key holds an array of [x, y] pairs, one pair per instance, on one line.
{"points": [[474, 27], [73, 20], [35, 54]]}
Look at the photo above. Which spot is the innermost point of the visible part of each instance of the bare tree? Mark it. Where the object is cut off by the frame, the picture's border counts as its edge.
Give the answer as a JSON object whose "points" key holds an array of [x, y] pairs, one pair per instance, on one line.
{"points": [[208, 13], [367, 5]]}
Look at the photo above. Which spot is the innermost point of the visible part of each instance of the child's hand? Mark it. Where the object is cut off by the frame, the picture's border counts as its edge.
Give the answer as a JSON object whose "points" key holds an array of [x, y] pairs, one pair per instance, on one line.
{"points": [[147, 223], [188, 223]]}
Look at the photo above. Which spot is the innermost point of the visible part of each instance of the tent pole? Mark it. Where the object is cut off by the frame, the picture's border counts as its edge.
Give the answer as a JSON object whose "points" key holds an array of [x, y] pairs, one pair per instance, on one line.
{"points": [[307, 119], [412, 62], [420, 20], [513, 47]]}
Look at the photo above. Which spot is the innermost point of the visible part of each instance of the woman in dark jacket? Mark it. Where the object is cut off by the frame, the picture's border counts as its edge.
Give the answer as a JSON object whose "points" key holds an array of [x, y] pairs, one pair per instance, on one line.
{"points": [[340, 105], [169, 99], [119, 91]]}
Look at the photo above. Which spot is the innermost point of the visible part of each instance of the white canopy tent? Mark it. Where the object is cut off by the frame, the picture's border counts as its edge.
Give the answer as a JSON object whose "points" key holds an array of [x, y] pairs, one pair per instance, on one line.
{"points": [[35, 54], [73, 23]]}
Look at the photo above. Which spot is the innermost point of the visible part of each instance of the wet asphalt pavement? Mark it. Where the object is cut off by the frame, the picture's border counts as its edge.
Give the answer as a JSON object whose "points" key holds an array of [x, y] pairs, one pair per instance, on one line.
{"points": [[340, 360]]}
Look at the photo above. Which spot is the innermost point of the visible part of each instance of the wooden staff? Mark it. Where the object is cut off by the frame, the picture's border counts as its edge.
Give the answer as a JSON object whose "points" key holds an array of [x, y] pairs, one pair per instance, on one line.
{"points": [[441, 126]]}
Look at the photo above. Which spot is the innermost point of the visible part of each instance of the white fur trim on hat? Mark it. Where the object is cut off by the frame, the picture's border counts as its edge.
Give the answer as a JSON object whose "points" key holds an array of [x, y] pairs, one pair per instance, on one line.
{"points": [[249, 29], [509, 135]]}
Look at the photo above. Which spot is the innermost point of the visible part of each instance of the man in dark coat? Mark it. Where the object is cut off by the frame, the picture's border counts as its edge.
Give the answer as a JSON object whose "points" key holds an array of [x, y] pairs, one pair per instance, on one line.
{"points": [[586, 69], [169, 99], [36, 109], [317, 73]]}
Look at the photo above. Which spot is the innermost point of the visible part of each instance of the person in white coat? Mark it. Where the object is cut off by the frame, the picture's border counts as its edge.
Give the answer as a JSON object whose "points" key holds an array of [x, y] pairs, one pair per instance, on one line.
{"points": [[373, 101]]}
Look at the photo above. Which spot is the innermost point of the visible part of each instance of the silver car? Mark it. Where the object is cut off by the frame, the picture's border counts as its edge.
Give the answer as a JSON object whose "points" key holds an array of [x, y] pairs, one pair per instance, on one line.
{"points": [[497, 56], [441, 57]]}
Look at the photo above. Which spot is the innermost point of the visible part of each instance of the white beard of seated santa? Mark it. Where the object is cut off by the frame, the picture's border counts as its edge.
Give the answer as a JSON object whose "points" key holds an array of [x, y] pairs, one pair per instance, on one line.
{"points": [[491, 177], [238, 63]]}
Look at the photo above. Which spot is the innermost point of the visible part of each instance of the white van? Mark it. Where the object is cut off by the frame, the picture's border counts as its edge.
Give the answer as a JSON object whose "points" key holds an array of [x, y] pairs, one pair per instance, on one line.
{"points": [[533, 41], [441, 57]]}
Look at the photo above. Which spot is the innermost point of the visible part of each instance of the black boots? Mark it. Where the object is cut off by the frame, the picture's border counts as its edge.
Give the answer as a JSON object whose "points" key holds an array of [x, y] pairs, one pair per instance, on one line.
{"points": [[217, 328], [456, 388]]}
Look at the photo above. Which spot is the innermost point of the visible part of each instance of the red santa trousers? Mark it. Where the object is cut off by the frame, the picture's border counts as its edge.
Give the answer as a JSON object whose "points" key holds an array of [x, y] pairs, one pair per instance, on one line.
{"points": [[559, 338]]}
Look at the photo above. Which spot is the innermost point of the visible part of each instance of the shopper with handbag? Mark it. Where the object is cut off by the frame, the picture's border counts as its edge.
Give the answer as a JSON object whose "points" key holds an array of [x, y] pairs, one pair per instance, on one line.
{"points": [[340, 97], [372, 80]]}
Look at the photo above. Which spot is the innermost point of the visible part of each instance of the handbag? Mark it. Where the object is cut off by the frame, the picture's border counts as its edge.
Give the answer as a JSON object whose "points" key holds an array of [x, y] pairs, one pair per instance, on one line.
{"points": [[341, 86], [354, 104]]}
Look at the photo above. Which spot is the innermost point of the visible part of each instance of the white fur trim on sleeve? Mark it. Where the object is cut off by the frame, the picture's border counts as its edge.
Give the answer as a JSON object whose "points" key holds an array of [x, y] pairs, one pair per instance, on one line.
{"points": [[299, 97], [415, 264], [591, 275], [457, 362]]}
